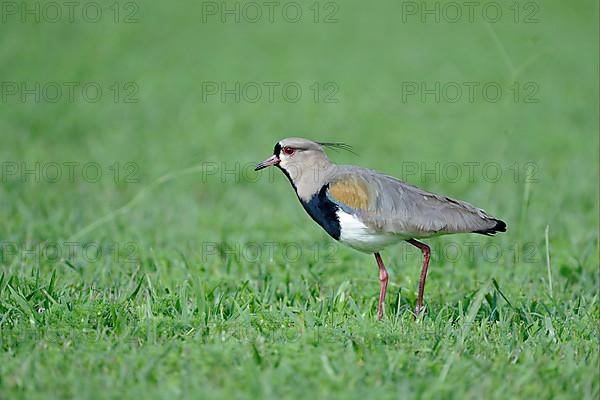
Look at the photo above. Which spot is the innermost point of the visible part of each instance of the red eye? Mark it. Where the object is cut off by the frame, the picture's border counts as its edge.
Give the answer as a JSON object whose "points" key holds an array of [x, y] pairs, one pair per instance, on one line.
{"points": [[288, 151]]}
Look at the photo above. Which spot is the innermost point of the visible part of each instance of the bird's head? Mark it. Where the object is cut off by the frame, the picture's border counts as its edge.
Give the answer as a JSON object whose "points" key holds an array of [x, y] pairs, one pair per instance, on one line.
{"points": [[294, 155], [304, 162]]}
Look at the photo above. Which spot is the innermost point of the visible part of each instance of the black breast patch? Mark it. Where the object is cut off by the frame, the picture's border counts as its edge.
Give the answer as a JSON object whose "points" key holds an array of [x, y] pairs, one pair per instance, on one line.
{"points": [[324, 212]]}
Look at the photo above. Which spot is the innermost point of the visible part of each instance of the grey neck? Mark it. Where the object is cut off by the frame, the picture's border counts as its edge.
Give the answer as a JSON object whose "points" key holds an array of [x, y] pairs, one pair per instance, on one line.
{"points": [[309, 180]]}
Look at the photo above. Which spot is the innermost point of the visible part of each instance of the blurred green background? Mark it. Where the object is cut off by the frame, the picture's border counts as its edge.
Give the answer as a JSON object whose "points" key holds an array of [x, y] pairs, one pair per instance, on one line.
{"points": [[178, 141]]}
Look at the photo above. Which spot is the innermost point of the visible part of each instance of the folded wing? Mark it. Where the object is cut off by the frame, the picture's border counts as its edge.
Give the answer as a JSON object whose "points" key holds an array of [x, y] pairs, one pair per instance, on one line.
{"points": [[389, 205]]}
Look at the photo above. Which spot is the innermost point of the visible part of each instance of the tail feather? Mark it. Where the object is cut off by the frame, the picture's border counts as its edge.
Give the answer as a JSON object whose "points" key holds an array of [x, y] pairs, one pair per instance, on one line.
{"points": [[499, 227]]}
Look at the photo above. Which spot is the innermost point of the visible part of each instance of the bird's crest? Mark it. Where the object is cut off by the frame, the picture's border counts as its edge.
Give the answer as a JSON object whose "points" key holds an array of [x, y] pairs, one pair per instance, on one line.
{"points": [[335, 146]]}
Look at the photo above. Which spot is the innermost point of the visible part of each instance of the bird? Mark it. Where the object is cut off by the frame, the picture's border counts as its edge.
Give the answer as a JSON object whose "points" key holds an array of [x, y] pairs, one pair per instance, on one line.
{"points": [[368, 210]]}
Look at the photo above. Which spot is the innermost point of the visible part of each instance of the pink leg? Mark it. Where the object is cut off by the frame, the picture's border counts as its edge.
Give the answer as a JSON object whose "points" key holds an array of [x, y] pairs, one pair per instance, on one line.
{"points": [[383, 281], [426, 251]]}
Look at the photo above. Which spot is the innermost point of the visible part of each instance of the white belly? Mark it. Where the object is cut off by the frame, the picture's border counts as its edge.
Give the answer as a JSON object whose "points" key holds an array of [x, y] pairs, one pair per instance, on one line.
{"points": [[360, 237]]}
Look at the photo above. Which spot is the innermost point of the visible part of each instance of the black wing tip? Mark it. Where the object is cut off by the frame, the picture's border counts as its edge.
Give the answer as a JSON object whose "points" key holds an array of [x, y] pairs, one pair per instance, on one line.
{"points": [[499, 227]]}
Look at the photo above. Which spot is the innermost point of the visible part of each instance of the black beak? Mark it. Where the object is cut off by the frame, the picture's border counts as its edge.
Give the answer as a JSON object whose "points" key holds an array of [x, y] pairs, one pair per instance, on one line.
{"points": [[273, 160]]}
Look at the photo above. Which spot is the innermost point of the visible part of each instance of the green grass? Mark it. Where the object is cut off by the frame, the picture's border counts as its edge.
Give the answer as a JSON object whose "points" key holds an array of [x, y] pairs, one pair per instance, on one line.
{"points": [[179, 304]]}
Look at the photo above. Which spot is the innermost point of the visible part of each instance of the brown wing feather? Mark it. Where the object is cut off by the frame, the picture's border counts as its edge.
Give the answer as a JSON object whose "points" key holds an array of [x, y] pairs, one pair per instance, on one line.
{"points": [[351, 192]]}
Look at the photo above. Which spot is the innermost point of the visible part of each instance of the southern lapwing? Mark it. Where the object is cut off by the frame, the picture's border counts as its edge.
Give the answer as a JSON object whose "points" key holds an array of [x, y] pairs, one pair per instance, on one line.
{"points": [[369, 211]]}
